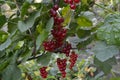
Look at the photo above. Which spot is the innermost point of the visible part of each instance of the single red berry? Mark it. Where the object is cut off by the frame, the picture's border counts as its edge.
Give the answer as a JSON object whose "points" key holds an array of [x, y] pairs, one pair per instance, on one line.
{"points": [[53, 13], [56, 7], [76, 1], [60, 20], [66, 1], [72, 6], [70, 1]]}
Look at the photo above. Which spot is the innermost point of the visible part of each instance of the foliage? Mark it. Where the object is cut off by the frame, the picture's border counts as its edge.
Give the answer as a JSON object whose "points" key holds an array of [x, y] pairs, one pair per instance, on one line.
{"points": [[26, 24]]}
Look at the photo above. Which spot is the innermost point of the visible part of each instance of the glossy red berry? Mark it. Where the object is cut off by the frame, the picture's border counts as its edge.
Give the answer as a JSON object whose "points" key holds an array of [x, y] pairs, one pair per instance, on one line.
{"points": [[66, 1], [72, 6], [76, 1], [70, 1], [56, 7], [60, 19], [53, 13]]}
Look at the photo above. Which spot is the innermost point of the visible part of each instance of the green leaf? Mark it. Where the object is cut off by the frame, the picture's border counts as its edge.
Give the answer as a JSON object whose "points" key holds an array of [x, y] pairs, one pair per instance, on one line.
{"points": [[2, 20], [83, 22], [44, 59], [72, 29], [5, 44], [41, 38], [83, 33], [103, 65], [49, 24], [12, 72], [24, 9], [110, 30], [103, 51], [25, 25], [66, 13], [12, 25]]}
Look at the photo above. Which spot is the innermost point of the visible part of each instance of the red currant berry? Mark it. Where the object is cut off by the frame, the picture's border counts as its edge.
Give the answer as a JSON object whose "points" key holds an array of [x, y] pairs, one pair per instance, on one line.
{"points": [[70, 1], [76, 1], [53, 13], [72, 6], [55, 7], [66, 1]]}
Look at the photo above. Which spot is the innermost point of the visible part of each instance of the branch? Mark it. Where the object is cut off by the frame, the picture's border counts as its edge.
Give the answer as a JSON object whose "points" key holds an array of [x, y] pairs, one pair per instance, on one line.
{"points": [[31, 58], [34, 57]]}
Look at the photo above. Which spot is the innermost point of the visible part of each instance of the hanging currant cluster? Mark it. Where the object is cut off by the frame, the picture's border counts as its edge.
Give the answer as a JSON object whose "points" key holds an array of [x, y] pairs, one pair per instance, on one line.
{"points": [[58, 42]]}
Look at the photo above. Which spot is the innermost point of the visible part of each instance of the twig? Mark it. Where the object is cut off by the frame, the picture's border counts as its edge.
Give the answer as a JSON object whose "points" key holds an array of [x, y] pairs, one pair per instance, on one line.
{"points": [[34, 57]]}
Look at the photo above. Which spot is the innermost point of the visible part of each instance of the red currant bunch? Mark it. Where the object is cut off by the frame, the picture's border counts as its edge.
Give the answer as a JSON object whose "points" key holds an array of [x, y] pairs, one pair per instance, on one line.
{"points": [[72, 3], [49, 45], [43, 72], [62, 66], [73, 59], [58, 20], [59, 33], [66, 49]]}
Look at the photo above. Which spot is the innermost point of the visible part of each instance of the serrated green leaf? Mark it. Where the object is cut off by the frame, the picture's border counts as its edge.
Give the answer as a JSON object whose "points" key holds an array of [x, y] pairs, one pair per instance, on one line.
{"points": [[49, 24], [2, 20], [104, 66], [44, 59], [25, 25], [110, 30], [104, 52], [83, 22], [5, 44]]}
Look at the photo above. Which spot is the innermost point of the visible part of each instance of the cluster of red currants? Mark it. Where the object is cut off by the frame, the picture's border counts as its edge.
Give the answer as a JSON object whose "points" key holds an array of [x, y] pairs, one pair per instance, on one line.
{"points": [[72, 3], [43, 72], [58, 41], [59, 33], [62, 66], [73, 59]]}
